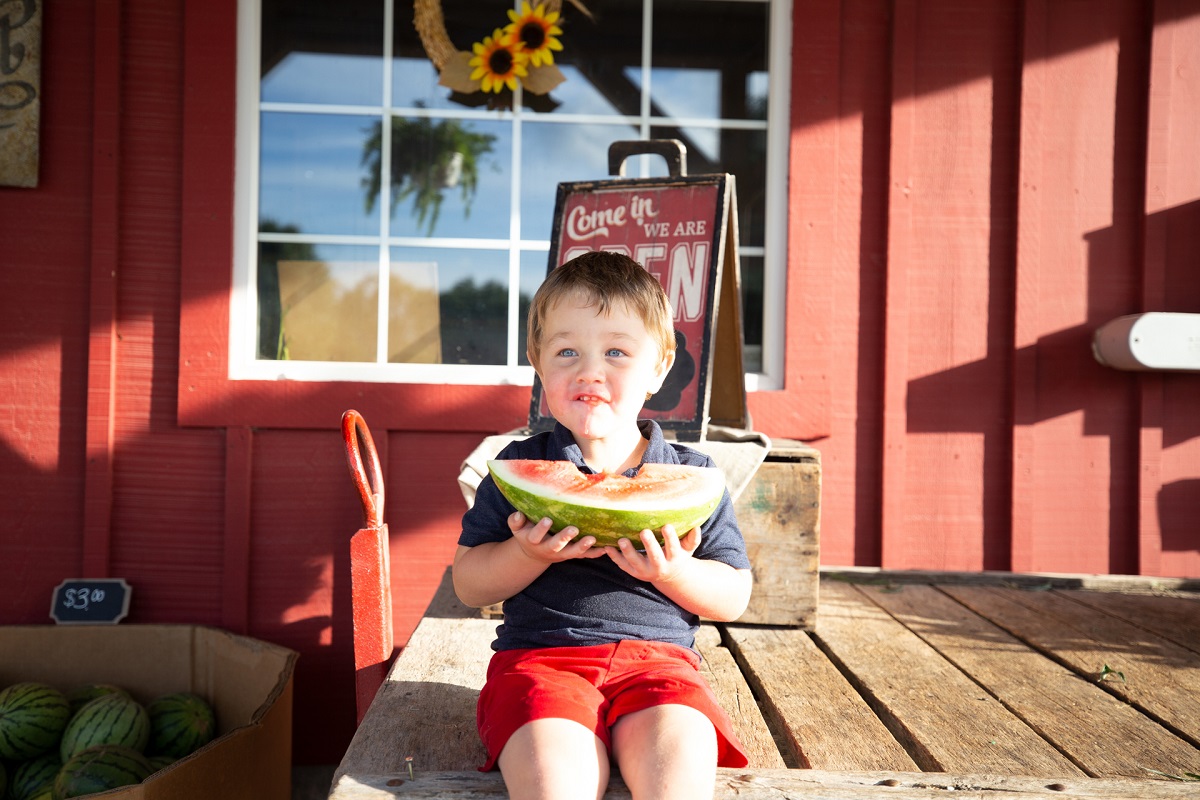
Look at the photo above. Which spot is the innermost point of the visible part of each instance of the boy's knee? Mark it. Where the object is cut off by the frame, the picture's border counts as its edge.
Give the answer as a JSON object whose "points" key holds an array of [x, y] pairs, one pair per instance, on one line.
{"points": [[554, 758]]}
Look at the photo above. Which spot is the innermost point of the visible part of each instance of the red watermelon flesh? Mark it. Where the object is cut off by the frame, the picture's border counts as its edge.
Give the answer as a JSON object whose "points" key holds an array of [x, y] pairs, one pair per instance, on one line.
{"points": [[610, 507]]}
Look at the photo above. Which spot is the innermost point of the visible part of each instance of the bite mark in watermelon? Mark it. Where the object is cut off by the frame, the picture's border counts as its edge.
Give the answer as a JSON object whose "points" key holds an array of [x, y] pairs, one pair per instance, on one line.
{"points": [[610, 507]]}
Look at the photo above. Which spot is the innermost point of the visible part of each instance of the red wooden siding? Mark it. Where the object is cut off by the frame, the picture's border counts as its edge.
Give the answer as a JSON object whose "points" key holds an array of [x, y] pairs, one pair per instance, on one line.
{"points": [[975, 188]]}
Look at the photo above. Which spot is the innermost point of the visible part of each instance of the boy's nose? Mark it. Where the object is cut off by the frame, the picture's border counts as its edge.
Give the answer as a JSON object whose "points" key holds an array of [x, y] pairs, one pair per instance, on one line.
{"points": [[590, 370]]}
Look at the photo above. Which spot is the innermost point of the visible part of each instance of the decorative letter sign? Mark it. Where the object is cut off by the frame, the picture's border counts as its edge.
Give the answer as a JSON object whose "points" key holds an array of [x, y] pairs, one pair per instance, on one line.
{"points": [[683, 230], [20, 88]]}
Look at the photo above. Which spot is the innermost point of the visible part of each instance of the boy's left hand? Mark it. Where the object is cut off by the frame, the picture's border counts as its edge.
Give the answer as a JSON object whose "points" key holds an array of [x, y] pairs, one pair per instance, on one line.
{"points": [[656, 562]]}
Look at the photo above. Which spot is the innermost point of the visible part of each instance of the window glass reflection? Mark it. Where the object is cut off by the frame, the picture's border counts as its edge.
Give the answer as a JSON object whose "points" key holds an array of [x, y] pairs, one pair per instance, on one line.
{"points": [[534, 264], [450, 177], [554, 153], [322, 52], [472, 301], [702, 54], [317, 303], [310, 173]]}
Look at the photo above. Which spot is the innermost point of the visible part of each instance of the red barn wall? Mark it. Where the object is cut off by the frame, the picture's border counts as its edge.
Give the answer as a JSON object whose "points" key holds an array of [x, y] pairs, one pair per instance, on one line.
{"points": [[975, 188]]}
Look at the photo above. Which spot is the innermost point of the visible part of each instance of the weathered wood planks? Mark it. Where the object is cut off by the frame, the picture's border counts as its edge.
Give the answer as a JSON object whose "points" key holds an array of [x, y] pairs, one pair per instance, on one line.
{"points": [[822, 721], [1156, 675], [997, 686], [725, 678], [1065, 708], [779, 513], [791, 784], [942, 717], [424, 714]]}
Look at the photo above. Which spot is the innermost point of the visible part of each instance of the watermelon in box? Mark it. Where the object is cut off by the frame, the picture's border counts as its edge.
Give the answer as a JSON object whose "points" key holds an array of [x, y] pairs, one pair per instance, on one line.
{"points": [[111, 719], [180, 724], [248, 682], [610, 507], [32, 717], [34, 777], [100, 768]]}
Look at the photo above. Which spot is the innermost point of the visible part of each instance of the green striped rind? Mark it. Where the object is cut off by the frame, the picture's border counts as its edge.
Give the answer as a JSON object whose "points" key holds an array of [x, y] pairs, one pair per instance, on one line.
{"points": [[113, 719], [82, 695], [34, 777], [161, 762], [99, 769], [180, 724], [32, 717], [608, 525]]}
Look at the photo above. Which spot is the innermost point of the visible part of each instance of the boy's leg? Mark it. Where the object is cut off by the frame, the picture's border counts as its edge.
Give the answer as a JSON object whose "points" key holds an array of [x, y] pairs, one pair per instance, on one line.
{"points": [[666, 751], [555, 759]]}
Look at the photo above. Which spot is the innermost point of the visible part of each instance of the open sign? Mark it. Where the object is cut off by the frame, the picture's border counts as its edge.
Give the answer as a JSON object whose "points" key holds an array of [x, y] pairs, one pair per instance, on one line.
{"points": [[683, 230]]}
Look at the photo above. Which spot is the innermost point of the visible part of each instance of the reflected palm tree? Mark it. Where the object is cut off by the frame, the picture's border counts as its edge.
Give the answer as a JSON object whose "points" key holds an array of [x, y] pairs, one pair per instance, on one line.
{"points": [[427, 158]]}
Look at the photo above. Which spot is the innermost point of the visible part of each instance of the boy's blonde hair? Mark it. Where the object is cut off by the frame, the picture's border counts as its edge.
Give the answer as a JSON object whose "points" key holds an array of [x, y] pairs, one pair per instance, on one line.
{"points": [[603, 278]]}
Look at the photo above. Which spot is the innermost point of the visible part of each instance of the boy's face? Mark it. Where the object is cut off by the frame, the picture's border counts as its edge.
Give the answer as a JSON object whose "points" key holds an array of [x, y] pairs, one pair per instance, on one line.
{"points": [[596, 369]]}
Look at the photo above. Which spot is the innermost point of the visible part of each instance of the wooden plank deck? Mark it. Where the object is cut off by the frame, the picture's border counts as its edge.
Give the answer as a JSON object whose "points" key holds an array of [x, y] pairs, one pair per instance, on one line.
{"points": [[910, 686]]}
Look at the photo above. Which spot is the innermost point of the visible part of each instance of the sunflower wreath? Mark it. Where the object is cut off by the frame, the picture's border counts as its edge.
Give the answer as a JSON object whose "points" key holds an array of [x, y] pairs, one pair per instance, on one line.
{"points": [[519, 54]]}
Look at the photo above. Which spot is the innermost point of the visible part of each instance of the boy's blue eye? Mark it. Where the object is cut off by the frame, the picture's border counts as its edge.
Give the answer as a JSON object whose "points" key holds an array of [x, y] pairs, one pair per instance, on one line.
{"points": [[614, 352], [566, 352]]}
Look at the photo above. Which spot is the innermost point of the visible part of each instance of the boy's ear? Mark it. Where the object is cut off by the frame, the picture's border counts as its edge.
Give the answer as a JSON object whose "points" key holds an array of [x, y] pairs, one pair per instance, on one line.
{"points": [[663, 368]]}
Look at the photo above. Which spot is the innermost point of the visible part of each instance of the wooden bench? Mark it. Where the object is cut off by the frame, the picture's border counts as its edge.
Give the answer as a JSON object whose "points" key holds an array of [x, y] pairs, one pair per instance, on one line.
{"points": [[892, 690]]}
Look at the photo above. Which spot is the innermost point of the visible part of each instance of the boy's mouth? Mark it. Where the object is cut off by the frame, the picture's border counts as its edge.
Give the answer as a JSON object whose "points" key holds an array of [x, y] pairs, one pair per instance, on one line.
{"points": [[590, 399]]}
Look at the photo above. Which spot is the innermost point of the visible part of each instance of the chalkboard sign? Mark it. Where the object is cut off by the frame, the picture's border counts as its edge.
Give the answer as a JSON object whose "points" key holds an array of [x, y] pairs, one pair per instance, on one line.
{"points": [[95, 601], [683, 230]]}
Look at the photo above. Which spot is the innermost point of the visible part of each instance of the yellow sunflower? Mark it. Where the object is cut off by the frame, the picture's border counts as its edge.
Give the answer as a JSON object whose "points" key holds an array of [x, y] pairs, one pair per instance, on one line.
{"points": [[535, 30], [498, 62]]}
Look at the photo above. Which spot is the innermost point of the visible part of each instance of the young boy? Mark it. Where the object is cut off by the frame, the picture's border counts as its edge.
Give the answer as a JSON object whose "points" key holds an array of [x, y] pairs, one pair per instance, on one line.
{"points": [[595, 658]]}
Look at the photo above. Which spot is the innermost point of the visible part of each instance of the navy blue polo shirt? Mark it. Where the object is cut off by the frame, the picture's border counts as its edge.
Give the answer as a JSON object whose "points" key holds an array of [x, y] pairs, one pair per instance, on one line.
{"points": [[587, 601]]}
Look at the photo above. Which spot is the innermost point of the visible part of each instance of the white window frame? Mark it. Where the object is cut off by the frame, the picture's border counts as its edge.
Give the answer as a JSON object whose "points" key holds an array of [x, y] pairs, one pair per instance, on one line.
{"points": [[243, 363]]}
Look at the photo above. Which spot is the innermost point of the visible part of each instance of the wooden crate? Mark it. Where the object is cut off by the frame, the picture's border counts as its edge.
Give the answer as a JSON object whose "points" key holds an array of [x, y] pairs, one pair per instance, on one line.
{"points": [[779, 512]]}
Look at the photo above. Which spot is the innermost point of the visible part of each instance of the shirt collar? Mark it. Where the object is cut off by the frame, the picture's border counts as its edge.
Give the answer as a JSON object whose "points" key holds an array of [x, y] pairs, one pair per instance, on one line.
{"points": [[656, 446]]}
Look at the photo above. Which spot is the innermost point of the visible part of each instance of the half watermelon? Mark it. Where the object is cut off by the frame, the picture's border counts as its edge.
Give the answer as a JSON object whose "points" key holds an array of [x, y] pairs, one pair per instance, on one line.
{"points": [[610, 507]]}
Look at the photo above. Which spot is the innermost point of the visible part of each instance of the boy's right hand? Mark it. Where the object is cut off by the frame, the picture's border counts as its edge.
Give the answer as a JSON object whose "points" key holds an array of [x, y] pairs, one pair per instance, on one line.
{"points": [[538, 543]]}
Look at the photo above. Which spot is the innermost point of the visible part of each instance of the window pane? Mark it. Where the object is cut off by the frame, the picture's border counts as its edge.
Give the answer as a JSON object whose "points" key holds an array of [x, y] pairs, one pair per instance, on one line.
{"points": [[534, 266], [414, 321], [595, 56], [472, 291], [450, 177], [752, 308], [311, 174], [741, 153], [320, 52], [703, 53], [317, 303], [479, 183], [556, 153]]}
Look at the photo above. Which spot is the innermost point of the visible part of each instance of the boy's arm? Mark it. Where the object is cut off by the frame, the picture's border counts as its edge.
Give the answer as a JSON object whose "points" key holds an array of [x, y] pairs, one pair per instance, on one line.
{"points": [[710, 589], [495, 571]]}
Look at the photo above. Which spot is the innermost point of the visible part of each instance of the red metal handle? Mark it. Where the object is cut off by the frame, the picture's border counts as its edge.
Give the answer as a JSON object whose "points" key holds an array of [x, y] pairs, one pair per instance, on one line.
{"points": [[369, 485]]}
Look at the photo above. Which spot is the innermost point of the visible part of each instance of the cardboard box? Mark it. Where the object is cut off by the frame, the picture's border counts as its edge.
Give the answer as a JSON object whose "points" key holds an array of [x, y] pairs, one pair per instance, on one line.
{"points": [[249, 683]]}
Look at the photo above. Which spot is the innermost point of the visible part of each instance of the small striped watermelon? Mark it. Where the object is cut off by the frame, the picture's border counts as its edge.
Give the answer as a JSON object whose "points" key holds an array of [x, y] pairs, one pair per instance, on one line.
{"points": [[34, 777], [82, 695], [113, 719], [180, 724], [161, 762], [99, 769], [32, 717]]}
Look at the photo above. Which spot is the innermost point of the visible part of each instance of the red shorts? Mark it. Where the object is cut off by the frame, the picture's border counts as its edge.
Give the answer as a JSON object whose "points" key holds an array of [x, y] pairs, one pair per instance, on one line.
{"points": [[595, 685]]}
